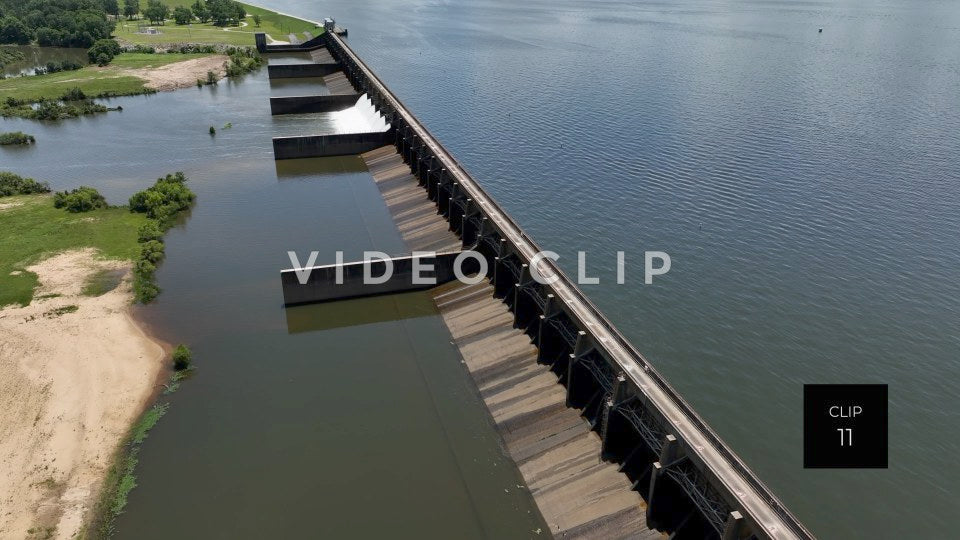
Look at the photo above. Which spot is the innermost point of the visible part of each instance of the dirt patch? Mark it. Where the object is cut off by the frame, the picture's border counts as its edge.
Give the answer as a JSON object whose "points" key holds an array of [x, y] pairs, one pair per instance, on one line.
{"points": [[70, 387], [9, 205], [180, 74]]}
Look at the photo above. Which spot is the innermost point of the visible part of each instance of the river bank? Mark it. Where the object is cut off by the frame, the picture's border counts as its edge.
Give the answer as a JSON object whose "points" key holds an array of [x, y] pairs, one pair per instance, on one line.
{"points": [[75, 372]]}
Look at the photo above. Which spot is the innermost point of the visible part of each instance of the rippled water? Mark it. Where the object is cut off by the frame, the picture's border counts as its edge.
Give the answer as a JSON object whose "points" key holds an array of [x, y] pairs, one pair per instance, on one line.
{"points": [[807, 186]]}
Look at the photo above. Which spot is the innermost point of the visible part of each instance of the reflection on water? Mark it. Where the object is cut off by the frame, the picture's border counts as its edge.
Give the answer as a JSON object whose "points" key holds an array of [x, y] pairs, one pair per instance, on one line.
{"points": [[359, 312], [312, 167], [39, 56]]}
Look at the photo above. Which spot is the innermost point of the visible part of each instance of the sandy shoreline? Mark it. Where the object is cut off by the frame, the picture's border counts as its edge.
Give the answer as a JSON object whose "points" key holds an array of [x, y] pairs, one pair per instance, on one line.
{"points": [[72, 381], [181, 74]]}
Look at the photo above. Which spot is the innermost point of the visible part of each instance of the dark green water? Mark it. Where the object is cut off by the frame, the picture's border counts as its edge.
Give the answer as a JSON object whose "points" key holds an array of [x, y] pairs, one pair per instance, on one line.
{"points": [[806, 186]]}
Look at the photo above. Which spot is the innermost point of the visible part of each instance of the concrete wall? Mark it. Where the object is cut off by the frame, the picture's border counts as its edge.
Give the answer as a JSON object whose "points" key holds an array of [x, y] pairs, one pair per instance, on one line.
{"points": [[312, 104], [329, 145], [293, 71], [321, 286], [309, 45]]}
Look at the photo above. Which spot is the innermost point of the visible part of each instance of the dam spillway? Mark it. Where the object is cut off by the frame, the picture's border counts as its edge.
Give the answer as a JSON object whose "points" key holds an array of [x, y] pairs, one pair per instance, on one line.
{"points": [[612, 450]]}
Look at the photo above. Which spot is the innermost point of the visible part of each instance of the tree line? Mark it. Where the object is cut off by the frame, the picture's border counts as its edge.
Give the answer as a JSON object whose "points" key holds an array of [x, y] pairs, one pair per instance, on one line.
{"points": [[61, 23], [218, 12]]}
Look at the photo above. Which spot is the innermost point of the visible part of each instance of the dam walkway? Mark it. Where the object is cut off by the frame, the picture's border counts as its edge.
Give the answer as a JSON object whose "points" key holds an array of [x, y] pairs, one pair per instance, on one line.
{"points": [[607, 447]]}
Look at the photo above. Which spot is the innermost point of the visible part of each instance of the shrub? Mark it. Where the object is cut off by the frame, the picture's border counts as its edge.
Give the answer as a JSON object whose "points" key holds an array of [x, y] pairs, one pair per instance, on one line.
{"points": [[82, 199], [181, 357], [103, 50], [213, 130], [164, 200], [211, 77], [12, 184], [151, 250], [149, 231], [16, 137], [74, 94]]}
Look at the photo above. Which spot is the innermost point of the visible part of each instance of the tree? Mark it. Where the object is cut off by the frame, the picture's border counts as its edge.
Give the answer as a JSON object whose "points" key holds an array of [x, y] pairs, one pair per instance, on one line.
{"points": [[131, 8], [182, 15], [223, 12], [200, 10], [47, 37], [156, 11], [12, 30], [181, 357], [256, 20], [112, 7], [103, 51]]}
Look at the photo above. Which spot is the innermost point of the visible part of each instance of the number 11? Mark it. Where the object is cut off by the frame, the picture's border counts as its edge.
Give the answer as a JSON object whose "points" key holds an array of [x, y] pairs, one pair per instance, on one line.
{"points": [[848, 439]]}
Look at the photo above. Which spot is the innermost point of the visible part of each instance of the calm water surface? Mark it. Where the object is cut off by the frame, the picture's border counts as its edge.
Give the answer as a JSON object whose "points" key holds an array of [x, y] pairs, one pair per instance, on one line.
{"points": [[805, 185]]}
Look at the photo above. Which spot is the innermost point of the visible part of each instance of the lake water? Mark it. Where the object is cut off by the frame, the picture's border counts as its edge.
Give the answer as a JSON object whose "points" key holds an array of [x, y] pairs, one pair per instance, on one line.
{"points": [[34, 57], [805, 185]]}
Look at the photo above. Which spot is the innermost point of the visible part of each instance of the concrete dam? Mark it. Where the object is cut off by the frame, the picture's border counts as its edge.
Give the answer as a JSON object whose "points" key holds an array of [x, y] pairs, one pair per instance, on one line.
{"points": [[607, 447]]}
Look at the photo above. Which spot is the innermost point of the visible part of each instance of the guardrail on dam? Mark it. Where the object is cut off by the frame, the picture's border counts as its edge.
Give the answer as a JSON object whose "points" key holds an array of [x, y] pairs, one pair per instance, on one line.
{"points": [[694, 485]]}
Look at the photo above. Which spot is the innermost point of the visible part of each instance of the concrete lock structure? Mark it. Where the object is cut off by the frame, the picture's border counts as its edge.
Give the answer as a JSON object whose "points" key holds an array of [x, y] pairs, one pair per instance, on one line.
{"points": [[612, 451]]}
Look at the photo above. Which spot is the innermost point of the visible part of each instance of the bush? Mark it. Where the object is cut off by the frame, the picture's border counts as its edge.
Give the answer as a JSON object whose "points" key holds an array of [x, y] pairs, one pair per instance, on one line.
{"points": [[103, 51], [212, 130], [211, 77], [164, 200], [149, 231], [53, 110], [12, 184], [74, 94], [82, 199], [181, 357], [152, 251], [16, 137]]}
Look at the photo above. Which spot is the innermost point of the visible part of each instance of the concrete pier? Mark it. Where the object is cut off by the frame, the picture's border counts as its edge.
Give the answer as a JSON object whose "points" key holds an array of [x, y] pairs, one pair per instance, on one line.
{"points": [[312, 104], [295, 71], [339, 144], [321, 282]]}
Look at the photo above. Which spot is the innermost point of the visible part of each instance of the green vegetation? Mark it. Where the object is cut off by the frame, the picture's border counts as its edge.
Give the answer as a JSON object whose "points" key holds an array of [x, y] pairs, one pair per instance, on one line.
{"points": [[243, 61], [94, 82], [53, 313], [62, 23], [9, 55], [82, 199], [182, 357], [103, 51], [120, 479], [162, 203], [213, 131], [51, 109], [56, 67], [13, 184], [215, 23], [33, 230], [102, 282], [16, 137]]}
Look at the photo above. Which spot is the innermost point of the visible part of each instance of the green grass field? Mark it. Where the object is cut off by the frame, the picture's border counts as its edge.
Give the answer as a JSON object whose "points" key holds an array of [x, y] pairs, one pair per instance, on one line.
{"points": [[36, 229], [93, 80], [274, 24]]}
